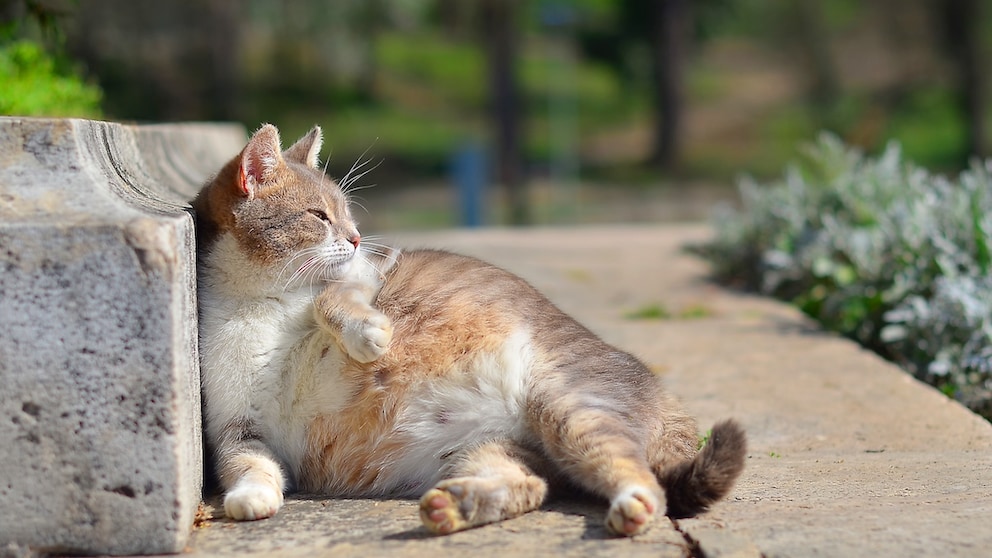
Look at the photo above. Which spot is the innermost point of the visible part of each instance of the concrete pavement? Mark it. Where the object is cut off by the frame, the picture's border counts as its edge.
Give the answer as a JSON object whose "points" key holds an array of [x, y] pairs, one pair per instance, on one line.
{"points": [[848, 455]]}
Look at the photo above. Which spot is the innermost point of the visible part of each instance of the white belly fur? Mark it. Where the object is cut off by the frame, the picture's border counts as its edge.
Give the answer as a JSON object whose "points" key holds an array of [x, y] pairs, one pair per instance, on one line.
{"points": [[482, 401]]}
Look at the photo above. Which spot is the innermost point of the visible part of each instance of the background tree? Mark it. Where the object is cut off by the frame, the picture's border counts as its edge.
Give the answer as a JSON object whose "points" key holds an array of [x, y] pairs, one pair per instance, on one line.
{"points": [[670, 26], [710, 87], [499, 21], [961, 20], [814, 44]]}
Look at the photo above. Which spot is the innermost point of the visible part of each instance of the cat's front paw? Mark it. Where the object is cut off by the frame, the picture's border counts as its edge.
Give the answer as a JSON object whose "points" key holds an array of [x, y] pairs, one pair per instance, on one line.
{"points": [[248, 501], [367, 339]]}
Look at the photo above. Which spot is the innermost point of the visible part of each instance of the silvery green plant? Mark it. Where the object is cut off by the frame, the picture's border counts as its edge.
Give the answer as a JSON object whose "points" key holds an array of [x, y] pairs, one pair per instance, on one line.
{"points": [[880, 250]]}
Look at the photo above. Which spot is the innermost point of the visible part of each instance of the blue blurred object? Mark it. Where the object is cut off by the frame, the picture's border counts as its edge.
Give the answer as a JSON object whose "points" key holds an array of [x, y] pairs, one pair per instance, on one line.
{"points": [[557, 14], [468, 171]]}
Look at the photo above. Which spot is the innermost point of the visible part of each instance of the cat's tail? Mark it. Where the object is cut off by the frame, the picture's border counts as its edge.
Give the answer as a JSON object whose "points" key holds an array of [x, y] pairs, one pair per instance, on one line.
{"points": [[693, 486]]}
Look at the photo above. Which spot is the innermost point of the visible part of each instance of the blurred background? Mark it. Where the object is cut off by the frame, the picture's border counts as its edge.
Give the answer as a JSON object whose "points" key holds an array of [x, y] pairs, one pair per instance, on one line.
{"points": [[524, 111]]}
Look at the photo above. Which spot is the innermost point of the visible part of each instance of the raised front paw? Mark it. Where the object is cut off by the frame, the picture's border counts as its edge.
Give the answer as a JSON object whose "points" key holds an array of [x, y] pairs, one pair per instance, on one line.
{"points": [[252, 500], [367, 339]]}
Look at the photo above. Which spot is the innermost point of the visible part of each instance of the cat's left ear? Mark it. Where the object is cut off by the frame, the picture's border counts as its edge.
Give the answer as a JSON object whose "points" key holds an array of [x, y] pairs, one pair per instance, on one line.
{"points": [[259, 160], [307, 148]]}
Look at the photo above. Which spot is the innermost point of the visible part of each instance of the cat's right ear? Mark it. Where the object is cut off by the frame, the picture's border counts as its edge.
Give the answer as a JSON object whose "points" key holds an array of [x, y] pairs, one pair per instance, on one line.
{"points": [[259, 160], [306, 149]]}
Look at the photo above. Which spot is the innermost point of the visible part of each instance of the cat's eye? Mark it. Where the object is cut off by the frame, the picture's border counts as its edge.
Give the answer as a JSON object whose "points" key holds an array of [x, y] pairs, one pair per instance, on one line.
{"points": [[320, 215]]}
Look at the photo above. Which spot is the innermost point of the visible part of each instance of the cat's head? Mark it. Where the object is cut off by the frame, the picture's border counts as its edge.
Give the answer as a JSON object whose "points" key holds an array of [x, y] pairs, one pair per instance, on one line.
{"points": [[279, 209]]}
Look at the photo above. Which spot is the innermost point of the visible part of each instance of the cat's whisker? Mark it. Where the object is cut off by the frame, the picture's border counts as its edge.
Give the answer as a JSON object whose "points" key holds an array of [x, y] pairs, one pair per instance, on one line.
{"points": [[350, 178], [286, 268], [356, 166], [299, 274], [327, 161], [372, 239], [366, 244], [359, 198], [358, 201], [307, 269], [374, 253], [369, 263], [365, 209], [306, 252], [365, 187], [344, 180], [383, 247], [348, 184], [377, 250]]}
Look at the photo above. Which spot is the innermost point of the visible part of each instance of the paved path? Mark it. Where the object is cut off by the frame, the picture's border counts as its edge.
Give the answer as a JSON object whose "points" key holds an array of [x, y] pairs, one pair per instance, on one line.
{"points": [[848, 455]]}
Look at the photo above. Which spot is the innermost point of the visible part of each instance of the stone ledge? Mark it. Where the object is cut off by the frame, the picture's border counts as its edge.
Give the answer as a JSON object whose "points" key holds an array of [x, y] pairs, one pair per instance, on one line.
{"points": [[100, 448]]}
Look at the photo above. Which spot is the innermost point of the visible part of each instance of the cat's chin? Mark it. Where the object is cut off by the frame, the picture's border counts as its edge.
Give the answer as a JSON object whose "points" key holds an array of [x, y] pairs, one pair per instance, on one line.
{"points": [[338, 271]]}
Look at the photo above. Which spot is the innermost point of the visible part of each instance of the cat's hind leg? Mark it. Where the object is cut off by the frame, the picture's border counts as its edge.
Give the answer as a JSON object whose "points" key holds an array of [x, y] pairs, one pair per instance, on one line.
{"points": [[484, 484], [598, 449]]}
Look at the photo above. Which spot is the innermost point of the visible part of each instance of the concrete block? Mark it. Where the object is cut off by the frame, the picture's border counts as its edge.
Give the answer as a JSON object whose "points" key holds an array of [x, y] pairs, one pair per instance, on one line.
{"points": [[100, 448]]}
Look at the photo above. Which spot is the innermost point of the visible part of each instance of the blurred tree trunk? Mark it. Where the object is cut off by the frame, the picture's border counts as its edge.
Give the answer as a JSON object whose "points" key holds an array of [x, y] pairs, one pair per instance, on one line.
{"points": [[961, 20], [456, 17], [498, 19], [815, 44], [222, 31], [370, 24], [669, 36]]}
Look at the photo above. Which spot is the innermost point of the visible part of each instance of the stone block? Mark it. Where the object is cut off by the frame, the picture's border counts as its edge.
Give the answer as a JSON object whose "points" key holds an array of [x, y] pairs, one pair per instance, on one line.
{"points": [[100, 445]]}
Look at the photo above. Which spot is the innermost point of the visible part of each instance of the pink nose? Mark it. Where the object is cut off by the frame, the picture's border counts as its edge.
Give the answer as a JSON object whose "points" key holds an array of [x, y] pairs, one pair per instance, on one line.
{"points": [[355, 240]]}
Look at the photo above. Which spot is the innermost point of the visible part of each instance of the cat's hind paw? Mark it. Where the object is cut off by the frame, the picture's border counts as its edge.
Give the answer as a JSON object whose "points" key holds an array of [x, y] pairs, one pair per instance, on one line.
{"points": [[248, 501], [631, 512], [369, 338], [440, 511]]}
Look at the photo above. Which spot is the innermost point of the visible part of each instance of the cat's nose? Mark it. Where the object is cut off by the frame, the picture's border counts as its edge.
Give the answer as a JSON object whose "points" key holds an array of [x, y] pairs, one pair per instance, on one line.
{"points": [[355, 240]]}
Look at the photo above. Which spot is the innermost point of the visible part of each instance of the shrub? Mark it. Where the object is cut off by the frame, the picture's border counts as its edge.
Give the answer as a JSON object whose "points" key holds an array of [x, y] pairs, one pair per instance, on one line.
{"points": [[33, 86], [879, 250]]}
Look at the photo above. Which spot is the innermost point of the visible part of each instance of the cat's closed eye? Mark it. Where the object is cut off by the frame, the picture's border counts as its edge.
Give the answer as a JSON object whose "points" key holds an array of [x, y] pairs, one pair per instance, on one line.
{"points": [[320, 214]]}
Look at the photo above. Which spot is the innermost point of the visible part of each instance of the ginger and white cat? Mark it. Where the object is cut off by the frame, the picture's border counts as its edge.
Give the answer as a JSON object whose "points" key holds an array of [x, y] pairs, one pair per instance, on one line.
{"points": [[330, 369]]}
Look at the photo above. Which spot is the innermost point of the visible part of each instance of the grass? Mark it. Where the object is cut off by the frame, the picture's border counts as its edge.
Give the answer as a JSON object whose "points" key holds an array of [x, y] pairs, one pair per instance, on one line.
{"points": [[658, 311]]}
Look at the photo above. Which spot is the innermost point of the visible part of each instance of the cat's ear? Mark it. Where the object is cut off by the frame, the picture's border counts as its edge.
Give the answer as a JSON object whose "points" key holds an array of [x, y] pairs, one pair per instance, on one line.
{"points": [[259, 160], [307, 148]]}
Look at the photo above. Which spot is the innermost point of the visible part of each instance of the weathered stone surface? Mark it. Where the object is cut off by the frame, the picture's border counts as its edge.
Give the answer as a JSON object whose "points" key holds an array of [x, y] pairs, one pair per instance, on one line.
{"points": [[100, 447]]}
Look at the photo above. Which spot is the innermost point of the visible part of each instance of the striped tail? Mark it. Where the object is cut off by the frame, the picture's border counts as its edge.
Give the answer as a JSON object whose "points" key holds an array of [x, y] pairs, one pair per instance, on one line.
{"points": [[693, 486]]}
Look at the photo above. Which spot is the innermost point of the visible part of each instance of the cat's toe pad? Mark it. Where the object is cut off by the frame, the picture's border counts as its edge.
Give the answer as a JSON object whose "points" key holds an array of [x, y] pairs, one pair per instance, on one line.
{"points": [[369, 339], [440, 512], [251, 500], [631, 511]]}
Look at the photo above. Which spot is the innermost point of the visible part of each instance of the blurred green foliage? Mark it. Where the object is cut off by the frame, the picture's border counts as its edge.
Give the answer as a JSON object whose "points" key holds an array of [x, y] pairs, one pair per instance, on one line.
{"points": [[930, 127], [38, 78], [409, 77], [33, 85]]}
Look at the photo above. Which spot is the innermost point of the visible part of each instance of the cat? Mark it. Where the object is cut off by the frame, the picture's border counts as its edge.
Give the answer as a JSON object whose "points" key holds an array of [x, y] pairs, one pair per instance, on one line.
{"points": [[332, 368]]}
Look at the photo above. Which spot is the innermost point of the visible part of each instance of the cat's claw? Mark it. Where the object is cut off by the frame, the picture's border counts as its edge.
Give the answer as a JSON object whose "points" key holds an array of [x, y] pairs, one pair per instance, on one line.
{"points": [[369, 338], [250, 501], [631, 512]]}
